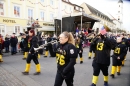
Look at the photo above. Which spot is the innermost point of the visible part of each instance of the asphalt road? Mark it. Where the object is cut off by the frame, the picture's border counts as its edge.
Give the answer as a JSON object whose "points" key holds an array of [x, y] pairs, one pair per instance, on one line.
{"points": [[13, 65]]}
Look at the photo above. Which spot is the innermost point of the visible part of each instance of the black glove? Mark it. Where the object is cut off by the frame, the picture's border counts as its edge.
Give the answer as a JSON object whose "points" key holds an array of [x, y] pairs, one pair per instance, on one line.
{"points": [[66, 76]]}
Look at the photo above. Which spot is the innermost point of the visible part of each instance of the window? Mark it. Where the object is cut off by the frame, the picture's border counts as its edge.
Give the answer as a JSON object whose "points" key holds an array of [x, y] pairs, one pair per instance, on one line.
{"points": [[42, 0], [1, 9], [17, 30], [119, 5], [2, 29], [30, 13], [51, 2], [42, 15], [118, 11], [51, 17], [16, 11]]}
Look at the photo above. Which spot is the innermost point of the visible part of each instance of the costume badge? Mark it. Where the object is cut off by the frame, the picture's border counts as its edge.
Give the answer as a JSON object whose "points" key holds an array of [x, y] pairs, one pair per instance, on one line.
{"points": [[71, 51]]}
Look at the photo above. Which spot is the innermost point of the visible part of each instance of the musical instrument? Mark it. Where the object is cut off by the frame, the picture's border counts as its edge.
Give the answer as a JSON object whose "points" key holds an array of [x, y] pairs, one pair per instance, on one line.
{"points": [[42, 46]]}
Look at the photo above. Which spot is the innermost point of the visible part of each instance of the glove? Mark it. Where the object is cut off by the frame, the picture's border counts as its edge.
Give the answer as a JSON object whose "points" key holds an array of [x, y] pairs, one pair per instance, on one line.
{"points": [[66, 76]]}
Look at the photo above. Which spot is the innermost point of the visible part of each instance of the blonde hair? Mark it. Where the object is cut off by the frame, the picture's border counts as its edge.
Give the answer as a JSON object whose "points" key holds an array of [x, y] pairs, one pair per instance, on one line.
{"points": [[70, 37]]}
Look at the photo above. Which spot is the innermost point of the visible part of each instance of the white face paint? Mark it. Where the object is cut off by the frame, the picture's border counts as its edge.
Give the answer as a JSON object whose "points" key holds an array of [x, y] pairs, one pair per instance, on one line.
{"points": [[71, 51], [119, 39]]}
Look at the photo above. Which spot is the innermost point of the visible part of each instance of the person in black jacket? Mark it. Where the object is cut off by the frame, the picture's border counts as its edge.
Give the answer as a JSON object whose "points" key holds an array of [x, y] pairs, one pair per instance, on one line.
{"points": [[103, 46], [66, 59], [6, 44], [13, 43], [78, 45], [33, 43], [118, 55], [126, 42]]}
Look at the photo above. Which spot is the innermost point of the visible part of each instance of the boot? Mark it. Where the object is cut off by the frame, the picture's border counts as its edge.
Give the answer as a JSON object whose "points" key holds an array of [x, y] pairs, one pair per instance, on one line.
{"points": [[89, 55], [39, 56], [1, 60], [94, 80], [38, 69], [46, 53], [105, 80], [105, 83], [26, 72], [25, 55], [81, 60], [113, 70]]}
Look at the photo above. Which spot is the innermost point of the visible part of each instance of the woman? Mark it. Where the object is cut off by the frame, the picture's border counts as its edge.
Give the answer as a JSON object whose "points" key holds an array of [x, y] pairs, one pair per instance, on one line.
{"points": [[66, 59], [79, 44], [33, 43]]}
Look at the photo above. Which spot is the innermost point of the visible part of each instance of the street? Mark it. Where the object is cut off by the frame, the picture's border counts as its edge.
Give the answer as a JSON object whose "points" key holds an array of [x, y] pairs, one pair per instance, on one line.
{"points": [[13, 65]]}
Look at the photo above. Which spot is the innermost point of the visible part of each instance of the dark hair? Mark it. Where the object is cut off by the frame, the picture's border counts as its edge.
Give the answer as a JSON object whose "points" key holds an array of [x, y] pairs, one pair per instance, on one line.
{"points": [[32, 31]]}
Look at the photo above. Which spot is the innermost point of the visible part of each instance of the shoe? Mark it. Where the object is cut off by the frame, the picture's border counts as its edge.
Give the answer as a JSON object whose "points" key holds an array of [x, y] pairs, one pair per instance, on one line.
{"points": [[24, 58], [37, 73], [122, 65], [118, 73], [89, 57], [105, 83], [1, 61], [81, 62], [92, 84], [112, 75], [45, 56], [25, 73]]}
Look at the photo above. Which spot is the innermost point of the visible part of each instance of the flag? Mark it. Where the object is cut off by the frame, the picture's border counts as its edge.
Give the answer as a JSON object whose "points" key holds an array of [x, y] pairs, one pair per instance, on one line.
{"points": [[103, 30]]}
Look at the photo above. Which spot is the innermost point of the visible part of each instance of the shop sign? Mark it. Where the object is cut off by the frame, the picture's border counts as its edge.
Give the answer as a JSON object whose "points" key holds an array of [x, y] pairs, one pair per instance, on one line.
{"points": [[9, 21], [45, 24]]}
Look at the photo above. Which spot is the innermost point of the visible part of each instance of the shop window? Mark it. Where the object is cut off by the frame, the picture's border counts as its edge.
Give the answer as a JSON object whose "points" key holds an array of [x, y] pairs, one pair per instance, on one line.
{"points": [[30, 13], [17, 30], [42, 15], [2, 30], [51, 2], [16, 11], [1, 9]]}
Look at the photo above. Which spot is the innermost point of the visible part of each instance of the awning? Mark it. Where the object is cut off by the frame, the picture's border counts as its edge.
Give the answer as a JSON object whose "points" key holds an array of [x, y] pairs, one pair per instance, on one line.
{"points": [[46, 28], [85, 17]]}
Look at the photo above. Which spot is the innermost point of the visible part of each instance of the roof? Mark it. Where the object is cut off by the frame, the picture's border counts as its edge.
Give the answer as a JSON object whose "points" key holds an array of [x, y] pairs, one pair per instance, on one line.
{"points": [[120, 1], [86, 18], [98, 13]]}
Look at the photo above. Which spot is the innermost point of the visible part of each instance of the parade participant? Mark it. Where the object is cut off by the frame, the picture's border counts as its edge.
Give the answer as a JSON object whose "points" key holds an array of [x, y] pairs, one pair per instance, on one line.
{"points": [[66, 59], [1, 43], [126, 42], [26, 45], [117, 57], [47, 47], [101, 61], [13, 43], [92, 48], [33, 40], [78, 45]]}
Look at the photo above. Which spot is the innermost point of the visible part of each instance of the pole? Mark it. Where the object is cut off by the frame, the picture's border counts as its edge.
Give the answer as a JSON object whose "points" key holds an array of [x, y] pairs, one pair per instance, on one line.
{"points": [[81, 21]]}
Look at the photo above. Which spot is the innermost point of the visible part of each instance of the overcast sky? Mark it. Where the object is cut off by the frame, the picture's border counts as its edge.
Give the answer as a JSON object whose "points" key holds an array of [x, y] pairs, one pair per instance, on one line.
{"points": [[109, 6]]}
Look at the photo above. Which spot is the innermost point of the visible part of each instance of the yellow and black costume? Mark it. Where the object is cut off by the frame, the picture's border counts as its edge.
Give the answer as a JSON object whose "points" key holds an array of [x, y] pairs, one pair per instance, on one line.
{"points": [[119, 51], [66, 59], [33, 43], [79, 46], [1, 43], [126, 42], [102, 58]]}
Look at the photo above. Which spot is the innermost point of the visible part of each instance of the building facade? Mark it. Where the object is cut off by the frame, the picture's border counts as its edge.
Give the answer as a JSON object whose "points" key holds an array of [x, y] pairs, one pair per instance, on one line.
{"points": [[104, 19], [17, 15]]}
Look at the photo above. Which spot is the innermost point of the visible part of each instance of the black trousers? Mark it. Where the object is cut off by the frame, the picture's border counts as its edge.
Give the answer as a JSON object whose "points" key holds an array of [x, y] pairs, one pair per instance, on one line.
{"points": [[91, 50], [0, 49], [59, 79], [34, 57], [97, 67]]}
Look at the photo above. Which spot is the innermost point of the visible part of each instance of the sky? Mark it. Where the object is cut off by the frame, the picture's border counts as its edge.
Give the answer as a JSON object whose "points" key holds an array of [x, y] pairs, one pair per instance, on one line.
{"points": [[110, 6]]}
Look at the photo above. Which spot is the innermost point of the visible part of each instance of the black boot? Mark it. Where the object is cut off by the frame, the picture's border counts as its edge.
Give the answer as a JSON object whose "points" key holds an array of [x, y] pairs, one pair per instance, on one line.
{"points": [[37, 73], [112, 75], [25, 73]]}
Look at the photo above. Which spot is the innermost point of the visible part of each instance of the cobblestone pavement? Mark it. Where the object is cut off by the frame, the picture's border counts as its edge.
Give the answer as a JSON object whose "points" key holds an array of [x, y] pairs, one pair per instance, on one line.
{"points": [[8, 79]]}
